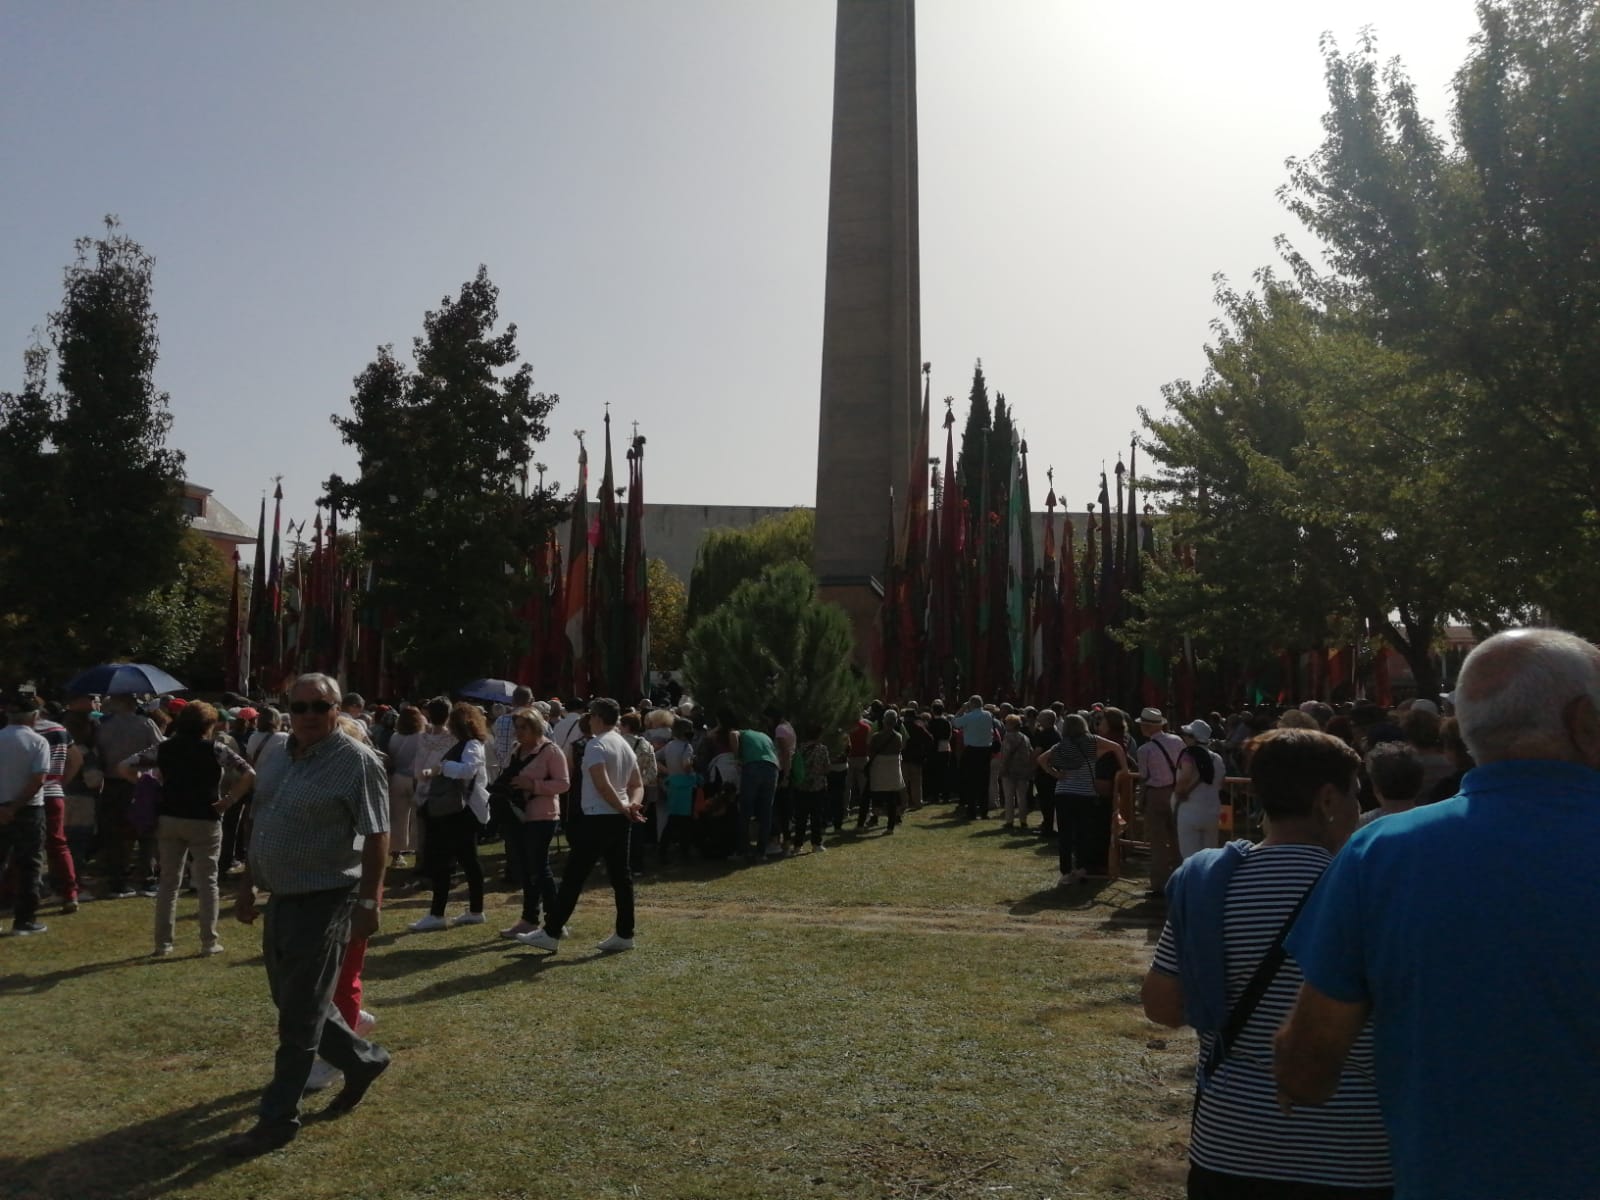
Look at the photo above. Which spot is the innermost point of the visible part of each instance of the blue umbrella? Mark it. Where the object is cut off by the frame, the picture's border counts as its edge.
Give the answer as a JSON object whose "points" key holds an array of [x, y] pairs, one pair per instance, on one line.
{"points": [[124, 679], [490, 691]]}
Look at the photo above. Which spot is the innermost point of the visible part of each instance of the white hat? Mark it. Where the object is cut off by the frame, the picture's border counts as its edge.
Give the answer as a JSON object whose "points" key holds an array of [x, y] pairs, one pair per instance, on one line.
{"points": [[1200, 731], [1151, 716]]}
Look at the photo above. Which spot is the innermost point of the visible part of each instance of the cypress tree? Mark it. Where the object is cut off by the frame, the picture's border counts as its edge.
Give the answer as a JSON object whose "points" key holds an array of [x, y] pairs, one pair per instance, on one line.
{"points": [[974, 443]]}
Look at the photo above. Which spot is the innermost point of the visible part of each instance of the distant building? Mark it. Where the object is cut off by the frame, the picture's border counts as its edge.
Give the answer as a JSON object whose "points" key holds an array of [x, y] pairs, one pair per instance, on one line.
{"points": [[210, 518]]}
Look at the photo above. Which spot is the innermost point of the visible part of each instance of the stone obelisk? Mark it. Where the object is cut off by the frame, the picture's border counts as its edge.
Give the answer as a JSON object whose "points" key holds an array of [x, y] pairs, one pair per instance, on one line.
{"points": [[871, 329]]}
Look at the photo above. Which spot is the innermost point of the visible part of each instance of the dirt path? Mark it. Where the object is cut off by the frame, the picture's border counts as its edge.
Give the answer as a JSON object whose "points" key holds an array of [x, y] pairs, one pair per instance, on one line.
{"points": [[874, 918]]}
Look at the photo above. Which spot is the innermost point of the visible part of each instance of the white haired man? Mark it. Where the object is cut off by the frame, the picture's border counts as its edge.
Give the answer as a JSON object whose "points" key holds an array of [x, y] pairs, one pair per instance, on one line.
{"points": [[319, 845], [1467, 931]]}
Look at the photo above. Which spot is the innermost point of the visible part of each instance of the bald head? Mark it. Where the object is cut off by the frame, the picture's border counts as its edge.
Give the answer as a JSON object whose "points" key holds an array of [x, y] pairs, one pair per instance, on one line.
{"points": [[1520, 693]]}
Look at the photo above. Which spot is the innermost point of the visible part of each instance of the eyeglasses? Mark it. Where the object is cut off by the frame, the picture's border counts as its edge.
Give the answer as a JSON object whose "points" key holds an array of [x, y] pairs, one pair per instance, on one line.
{"points": [[300, 707]]}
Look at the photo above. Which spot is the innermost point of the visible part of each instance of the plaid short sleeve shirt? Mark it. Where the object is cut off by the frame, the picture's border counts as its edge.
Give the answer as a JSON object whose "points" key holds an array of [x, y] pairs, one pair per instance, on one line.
{"points": [[312, 814]]}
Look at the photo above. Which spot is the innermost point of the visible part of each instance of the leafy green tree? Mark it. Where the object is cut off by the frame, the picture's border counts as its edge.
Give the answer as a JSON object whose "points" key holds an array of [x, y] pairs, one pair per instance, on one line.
{"points": [[183, 623], [444, 449], [774, 641], [669, 611], [729, 557], [1316, 479], [1476, 254], [92, 495]]}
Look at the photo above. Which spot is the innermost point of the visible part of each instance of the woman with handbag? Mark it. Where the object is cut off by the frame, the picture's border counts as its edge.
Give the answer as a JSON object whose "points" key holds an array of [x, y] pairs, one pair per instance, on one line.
{"points": [[1221, 967], [885, 779], [536, 778], [454, 801], [1071, 762]]}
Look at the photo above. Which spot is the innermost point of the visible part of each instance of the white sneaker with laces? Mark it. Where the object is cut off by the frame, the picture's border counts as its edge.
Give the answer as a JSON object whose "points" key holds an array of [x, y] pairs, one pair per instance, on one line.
{"points": [[322, 1074], [427, 924], [469, 918], [615, 943], [539, 940]]}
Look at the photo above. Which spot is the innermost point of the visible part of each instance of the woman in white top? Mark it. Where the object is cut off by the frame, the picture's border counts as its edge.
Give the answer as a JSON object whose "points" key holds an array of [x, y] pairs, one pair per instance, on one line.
{"points": [[1197, 794], [403, 746], [452, 817]]}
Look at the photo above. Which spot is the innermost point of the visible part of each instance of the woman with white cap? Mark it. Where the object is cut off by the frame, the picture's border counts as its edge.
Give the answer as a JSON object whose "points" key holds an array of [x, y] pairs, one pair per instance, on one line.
{"points": [[1197, 794]]}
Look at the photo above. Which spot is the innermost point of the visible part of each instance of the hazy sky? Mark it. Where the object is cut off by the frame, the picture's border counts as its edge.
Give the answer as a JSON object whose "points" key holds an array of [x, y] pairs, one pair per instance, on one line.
{"points": [[647, 183]]}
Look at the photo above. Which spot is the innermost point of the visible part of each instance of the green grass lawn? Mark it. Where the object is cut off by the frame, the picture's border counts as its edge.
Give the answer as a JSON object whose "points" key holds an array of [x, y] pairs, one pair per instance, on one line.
{"points": [[915, 1016]]}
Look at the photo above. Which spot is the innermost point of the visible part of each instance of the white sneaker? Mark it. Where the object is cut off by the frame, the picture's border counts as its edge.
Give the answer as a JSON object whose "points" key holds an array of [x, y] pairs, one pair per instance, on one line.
{"points": [[539, 940], [1066, 880], [322, 1074], [614, 943], [364, 1023], [469, 918], [211, 948], [427, 924]]}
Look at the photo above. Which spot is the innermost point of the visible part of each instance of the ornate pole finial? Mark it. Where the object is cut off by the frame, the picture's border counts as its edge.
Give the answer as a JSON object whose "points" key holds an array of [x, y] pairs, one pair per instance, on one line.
{"points": [[578, 433]]}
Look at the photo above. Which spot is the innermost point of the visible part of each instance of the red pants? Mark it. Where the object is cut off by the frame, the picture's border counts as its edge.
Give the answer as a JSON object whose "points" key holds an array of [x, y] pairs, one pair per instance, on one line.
{"points": [[347, 992], [62, 872]]}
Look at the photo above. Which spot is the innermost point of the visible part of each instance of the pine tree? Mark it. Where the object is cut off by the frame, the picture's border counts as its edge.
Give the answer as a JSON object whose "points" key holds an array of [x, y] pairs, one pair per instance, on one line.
{"points": [[729, 557], [974, 443], [775, 642], [444, 451]]}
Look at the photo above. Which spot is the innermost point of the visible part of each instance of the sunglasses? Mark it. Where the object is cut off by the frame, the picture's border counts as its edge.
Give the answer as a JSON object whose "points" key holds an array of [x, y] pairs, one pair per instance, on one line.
{"points": [[300, 707]]}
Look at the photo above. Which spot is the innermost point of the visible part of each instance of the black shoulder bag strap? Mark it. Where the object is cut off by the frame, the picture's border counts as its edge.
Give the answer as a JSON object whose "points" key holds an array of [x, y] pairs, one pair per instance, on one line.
{"points": [[1239, 1015]]}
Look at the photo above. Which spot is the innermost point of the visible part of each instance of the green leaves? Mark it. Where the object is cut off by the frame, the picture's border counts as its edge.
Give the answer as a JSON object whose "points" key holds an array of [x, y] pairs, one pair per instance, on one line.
{"points": [[444, 450], [93, 523], [772, 642]]}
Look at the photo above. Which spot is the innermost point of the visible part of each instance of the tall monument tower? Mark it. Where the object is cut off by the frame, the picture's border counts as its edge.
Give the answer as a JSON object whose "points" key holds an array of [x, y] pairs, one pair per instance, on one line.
{"points": [[871, 329]]}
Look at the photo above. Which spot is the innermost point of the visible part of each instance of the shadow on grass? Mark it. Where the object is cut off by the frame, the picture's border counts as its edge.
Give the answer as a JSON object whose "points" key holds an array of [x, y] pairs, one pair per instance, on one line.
{"points": [[520, 967], [32, 985], [1061, 899], [164, 1154]]}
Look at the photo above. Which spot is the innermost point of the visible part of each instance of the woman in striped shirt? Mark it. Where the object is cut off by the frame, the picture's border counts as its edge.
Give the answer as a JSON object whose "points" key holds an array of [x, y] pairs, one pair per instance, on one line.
{"points": [[1228, 912]]}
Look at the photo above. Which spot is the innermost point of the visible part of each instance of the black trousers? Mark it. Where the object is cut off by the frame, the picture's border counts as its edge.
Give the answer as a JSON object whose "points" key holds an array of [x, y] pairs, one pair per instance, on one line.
{"points": [[810, 809], [538, 883], [838, 786], [22, 838], [1206, 1184], [594, 838], [451, 840], [936, 778], [975, 780]]}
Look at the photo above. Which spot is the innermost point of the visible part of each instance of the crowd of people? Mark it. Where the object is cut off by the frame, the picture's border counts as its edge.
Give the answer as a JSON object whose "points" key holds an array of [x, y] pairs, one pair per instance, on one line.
{"points": [[326, 806]]}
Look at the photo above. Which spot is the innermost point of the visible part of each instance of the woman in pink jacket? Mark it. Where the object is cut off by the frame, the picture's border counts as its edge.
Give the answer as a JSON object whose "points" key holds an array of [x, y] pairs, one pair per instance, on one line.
{"points": [[539, 775]]}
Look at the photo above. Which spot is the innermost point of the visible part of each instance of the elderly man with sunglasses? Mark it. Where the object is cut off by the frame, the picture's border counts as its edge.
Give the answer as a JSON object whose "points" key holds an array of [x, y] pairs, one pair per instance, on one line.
{"points": [[319, 846]]}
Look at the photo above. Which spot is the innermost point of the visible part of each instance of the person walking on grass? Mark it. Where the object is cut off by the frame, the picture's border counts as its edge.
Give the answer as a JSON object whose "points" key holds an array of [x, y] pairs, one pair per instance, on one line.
{"points": [[609, 805], [454, 799], [319, 845]]}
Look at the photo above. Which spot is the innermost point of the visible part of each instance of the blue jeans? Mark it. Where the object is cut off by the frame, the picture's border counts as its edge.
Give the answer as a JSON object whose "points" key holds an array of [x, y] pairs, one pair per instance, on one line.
{"points": [[758, 787], [538, 884]]}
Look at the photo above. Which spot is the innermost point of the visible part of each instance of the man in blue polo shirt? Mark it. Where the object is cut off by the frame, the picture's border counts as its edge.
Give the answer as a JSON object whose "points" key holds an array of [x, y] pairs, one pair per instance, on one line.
{"points": [[1470, 931]]}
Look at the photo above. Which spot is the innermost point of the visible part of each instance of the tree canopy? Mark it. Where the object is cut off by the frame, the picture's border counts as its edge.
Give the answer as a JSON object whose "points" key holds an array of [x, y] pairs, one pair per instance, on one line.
{"points": [[90, 495], [444, 450], [729, 557], [775, 643]]}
